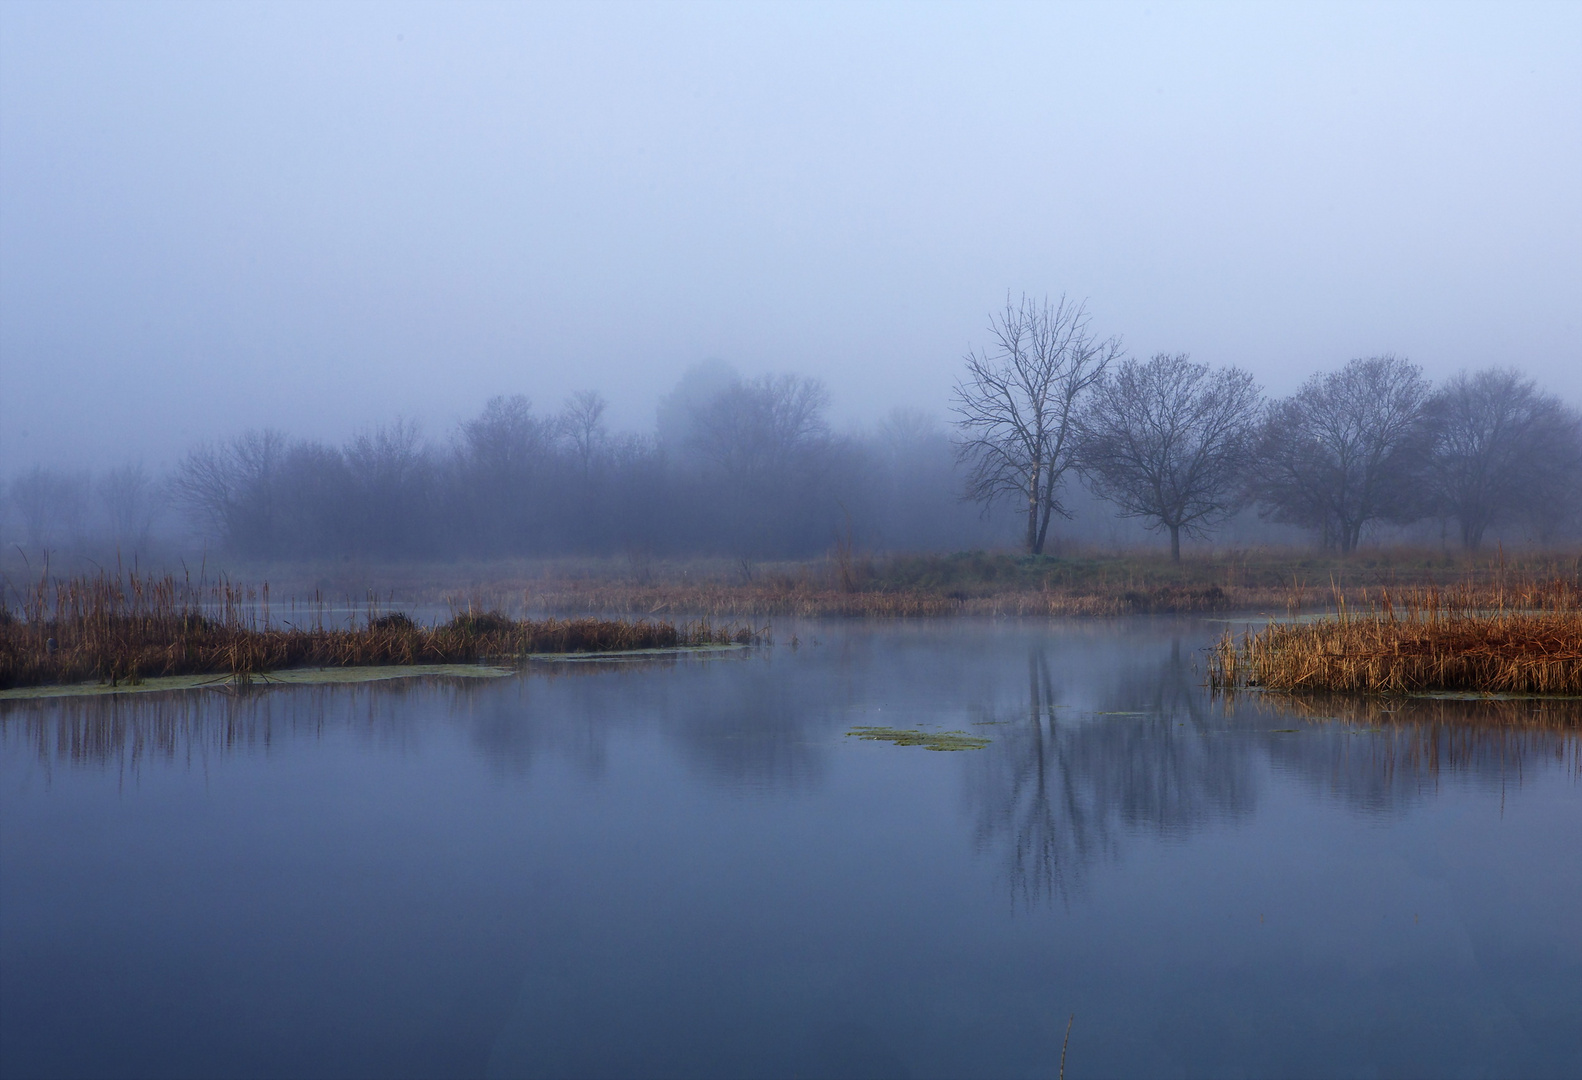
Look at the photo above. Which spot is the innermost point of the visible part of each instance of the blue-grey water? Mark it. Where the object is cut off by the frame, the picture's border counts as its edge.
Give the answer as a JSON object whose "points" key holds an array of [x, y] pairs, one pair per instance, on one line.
{"points": [[689, 868]]}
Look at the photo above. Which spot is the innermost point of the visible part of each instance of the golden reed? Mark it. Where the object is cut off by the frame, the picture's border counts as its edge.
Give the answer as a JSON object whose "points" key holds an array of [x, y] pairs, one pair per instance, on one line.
{"points": [[1523, 638], [115, 628]]}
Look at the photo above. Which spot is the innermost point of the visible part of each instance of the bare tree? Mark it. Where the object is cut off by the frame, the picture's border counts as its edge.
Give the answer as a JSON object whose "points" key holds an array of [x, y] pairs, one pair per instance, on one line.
{"points": [[130, 504], [1167, 441], [506, 441], [390, 471], [33, 496], [902, 431], [1341, 452], [52, 505], [503, 458], [582, 421], [1017, 406], [677, 412], [754, 428], [1555, 511], [767, 461], [1499, 448], [387, 459], [229, 488]]}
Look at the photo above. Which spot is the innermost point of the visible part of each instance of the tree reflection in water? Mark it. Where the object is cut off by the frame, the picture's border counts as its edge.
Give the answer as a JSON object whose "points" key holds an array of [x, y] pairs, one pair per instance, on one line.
{"points": [[1383, 755], [1110, 735], [1063, 785]]}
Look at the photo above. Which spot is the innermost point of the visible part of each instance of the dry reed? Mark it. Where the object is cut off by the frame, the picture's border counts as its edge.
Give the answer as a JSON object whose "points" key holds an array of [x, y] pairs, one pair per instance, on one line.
{"points": [[1501, 638], [125, 628]]}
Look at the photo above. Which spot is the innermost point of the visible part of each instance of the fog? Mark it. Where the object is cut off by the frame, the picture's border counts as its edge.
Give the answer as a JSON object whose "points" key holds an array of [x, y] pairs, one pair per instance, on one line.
{"points": [[321, 218]]}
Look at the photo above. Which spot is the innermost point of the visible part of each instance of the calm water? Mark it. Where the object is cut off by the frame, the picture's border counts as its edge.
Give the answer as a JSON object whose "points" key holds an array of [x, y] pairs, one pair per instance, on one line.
{"points": [[687, 868]]}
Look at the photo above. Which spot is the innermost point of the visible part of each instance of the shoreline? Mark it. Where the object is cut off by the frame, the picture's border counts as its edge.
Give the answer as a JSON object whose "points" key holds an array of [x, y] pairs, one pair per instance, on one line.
{"points": [[343, 675]]}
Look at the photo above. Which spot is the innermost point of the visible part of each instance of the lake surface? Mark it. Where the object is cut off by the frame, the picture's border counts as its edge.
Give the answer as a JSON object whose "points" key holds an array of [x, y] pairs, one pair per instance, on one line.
{"points": [[688, 868]]}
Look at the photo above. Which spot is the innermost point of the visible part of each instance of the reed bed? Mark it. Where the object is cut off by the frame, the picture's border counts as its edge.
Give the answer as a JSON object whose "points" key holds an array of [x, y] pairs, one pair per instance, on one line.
{"points": [[1486, 638], [125, 628]]}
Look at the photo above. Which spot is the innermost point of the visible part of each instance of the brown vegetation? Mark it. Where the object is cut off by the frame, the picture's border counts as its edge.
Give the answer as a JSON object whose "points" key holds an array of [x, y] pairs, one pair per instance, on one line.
{"points": [[851, 583], [1076, 582], [1523, 638], [810, 599], [113, 629]]}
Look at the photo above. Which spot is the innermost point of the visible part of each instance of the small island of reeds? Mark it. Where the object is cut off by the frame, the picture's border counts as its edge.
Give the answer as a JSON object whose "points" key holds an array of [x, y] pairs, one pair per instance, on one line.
{"points": [[1522, 640], [115, 629]]}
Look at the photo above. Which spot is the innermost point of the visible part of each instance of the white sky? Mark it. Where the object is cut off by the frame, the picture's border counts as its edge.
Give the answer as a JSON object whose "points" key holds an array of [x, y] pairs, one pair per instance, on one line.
{"points": [[318, 217]]}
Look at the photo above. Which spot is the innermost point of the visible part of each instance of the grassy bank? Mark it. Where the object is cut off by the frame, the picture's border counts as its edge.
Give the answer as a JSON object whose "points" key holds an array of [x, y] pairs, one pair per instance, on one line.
{"points": [[966, 583], [1075, 582], [115, 629], [1520, 637]]}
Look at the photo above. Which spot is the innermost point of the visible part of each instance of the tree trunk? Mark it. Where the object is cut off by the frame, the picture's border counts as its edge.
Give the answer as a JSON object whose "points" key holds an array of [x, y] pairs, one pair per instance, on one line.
{"points": [[1472, 534], [1032, 517], [1175, 543], [1043, 525]]}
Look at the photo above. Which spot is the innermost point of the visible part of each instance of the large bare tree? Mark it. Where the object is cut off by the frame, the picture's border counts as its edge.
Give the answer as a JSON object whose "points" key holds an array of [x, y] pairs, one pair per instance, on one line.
{"points": [[1017, 406], [1500, 448], [1343, 450], [1167, 440]]}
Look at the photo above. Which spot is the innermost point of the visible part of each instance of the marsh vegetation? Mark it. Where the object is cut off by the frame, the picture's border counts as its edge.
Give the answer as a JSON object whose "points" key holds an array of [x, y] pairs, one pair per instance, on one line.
{"points": [[1519, 639], [853, 583], [125, 628]]}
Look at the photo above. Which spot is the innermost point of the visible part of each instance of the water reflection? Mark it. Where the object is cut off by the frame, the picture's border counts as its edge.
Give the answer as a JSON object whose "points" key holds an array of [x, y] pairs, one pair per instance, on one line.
{"points": [[129, 732], [1098, 729], [663, 868], [1066, 783], [1382, 755], [737, 719]]}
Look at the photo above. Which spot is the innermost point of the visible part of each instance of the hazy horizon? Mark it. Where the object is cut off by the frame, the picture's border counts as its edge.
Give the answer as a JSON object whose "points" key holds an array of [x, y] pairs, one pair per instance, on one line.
{"points": [[320, 218]]}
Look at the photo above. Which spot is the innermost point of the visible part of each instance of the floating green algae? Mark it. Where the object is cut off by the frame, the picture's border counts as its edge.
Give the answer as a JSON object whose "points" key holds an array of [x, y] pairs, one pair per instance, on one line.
{"points": [[928, 740]]}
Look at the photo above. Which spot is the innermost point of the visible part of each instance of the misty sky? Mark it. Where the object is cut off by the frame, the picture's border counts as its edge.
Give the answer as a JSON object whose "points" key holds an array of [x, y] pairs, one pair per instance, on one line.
{"points": [[318, 217]]}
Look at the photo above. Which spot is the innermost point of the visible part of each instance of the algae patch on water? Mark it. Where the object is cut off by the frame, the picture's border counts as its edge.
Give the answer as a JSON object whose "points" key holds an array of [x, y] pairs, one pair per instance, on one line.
{"points": [[928, 740]]}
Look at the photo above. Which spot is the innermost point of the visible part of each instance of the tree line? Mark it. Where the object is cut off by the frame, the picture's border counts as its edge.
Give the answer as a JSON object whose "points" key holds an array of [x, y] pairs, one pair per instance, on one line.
{"points": [[744, 467], [1182, 446], [1048, 418]]}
